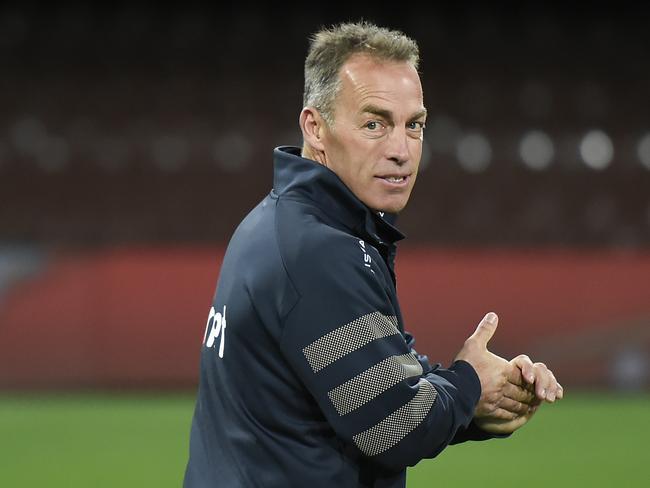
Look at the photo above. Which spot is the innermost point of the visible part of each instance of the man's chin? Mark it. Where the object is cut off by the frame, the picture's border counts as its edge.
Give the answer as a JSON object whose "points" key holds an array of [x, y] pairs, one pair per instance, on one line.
{"points": [[390, 203], [392, 207]]}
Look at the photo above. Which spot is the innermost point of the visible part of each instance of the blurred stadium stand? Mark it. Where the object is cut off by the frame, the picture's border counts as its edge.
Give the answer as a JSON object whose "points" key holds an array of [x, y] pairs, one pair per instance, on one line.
{"points": [[133, 139], [140, 124]]}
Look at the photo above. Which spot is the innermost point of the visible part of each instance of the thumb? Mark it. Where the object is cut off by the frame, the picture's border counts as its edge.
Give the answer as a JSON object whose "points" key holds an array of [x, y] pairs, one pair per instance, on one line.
{"points": [[485, 329]]}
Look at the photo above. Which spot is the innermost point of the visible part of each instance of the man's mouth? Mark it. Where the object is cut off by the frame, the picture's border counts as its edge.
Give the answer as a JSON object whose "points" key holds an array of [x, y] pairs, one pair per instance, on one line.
{"points": [[395, 179]]}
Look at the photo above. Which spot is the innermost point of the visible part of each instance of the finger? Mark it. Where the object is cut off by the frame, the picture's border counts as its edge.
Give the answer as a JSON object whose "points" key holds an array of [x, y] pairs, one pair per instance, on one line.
{"points": [[503, 414], [520, 394], [543, 383], [485, 329], [514, 375], [554, 387], [551, 389], [514, 406], [526, 366]]}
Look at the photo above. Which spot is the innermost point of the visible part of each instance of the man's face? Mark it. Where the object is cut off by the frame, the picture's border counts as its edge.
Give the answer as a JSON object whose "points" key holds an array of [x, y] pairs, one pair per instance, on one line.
{"points": [[375, 142]]}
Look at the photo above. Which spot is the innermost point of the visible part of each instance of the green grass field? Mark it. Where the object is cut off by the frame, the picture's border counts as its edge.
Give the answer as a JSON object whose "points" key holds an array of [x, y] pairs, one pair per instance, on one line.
{"points": [[141, 441]]}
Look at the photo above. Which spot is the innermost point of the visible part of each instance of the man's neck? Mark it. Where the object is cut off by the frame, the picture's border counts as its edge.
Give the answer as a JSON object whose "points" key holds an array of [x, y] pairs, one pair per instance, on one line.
{"points": [[309, 153]]}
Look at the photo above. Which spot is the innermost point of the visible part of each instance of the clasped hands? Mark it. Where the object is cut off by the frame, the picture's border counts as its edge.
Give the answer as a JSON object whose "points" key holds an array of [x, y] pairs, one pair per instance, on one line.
{"points": [[511, 391]]}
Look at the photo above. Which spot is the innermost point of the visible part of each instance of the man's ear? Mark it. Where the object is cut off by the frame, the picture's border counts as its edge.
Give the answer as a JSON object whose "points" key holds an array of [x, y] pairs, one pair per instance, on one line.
{"points": [[312, 126]]}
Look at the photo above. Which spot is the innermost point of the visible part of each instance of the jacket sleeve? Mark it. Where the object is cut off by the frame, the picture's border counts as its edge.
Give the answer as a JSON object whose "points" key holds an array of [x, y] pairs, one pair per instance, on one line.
{"points": [[422, 358], [472, 432], [342, 339]]}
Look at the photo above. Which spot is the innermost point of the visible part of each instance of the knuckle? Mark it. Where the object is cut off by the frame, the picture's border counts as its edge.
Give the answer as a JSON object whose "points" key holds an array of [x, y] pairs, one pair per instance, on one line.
{"points": [[501, 414], [524, 357]]}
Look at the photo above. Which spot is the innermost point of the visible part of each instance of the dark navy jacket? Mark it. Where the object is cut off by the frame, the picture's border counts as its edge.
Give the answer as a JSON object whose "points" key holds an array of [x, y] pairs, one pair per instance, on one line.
{"points": [[307, 376]]}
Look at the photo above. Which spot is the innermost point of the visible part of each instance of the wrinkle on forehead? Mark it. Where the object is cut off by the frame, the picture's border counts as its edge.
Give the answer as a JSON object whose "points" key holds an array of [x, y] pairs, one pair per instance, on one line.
{"points": [[361, 81], [368, 94], [358, 85]]}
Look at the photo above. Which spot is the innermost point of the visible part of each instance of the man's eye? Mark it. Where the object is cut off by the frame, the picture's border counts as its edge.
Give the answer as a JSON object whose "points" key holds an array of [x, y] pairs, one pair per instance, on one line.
{"points": [[373, 125], [415, 125]]}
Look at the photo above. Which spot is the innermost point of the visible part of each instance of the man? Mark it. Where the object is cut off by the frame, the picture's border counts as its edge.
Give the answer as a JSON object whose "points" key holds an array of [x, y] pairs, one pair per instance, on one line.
{"points": [[307, 376]]}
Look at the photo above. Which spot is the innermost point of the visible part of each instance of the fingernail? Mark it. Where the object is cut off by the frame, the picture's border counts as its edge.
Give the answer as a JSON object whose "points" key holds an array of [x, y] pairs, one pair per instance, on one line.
{"points": [[544, 393], [531, 378], [491, 317]]}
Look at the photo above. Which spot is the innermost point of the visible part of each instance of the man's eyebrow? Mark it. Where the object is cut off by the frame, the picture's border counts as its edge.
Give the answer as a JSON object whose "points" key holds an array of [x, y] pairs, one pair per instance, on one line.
{"points": [[387, 114], [419, 114], [375, 110]]}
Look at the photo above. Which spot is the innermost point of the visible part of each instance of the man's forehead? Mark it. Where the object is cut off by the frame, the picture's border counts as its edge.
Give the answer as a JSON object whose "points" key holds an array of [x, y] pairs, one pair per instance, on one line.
{"points": [[364, 67], [377, 83]]}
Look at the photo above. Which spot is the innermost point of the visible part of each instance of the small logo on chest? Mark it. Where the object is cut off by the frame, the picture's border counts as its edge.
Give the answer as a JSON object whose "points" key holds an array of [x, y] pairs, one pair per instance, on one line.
{"points": [[367, 259]]}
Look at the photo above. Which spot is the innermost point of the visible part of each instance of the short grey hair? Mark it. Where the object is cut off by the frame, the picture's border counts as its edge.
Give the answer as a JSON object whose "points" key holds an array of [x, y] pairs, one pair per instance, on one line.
{"points": [[331, 48]]}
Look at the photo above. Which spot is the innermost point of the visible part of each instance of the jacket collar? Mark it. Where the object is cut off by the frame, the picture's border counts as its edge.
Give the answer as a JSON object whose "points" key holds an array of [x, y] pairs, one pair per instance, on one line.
{"points": [[295, 176]]}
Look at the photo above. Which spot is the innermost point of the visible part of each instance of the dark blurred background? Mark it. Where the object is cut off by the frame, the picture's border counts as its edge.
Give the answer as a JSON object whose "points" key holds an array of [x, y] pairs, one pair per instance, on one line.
{"points": [[134, 138], [142, 123]]}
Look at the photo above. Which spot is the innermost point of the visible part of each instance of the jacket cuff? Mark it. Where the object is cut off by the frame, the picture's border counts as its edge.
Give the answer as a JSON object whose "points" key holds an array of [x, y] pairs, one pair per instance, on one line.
{"points": [[472, 432], [467, 380], [475, 433], [468, 389]]}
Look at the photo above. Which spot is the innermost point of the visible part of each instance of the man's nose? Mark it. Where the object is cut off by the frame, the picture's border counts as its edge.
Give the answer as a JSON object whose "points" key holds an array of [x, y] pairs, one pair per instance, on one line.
{"points": [[397, 148]]}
